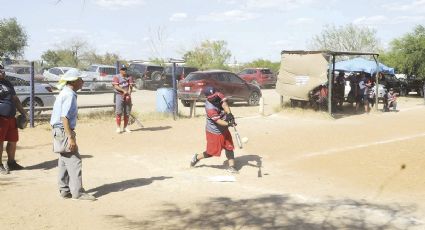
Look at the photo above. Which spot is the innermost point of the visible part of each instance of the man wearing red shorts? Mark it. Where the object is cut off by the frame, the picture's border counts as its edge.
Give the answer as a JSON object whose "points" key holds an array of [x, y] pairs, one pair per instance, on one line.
{"points": [[9, 102], [218, 136]]}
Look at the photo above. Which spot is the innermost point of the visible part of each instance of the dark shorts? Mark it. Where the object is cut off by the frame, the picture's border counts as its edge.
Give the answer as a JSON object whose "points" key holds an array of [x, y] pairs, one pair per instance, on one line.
{"points": [[218, 142], [121, 106], [8, 129]]}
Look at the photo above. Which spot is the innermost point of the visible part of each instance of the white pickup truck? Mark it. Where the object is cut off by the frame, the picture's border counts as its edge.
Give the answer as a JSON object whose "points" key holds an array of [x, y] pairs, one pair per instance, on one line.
{"points": [[98, 77]]}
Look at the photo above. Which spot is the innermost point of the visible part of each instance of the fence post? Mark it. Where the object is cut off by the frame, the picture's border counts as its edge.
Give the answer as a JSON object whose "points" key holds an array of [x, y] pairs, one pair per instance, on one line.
{"points": [[32, 96]]}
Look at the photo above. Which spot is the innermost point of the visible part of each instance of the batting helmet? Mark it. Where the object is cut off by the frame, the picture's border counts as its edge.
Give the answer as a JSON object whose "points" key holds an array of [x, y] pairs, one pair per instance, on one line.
{"points": [[208, 91]]}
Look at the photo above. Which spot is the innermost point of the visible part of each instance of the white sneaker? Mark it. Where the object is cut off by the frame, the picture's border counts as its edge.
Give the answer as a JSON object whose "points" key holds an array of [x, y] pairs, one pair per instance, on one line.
{"points": [[127, 130], [118, 130]]}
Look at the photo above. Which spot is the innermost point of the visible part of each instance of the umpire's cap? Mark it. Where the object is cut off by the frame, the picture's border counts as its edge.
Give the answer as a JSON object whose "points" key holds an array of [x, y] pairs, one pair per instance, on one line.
{"points": [[209, 90]]}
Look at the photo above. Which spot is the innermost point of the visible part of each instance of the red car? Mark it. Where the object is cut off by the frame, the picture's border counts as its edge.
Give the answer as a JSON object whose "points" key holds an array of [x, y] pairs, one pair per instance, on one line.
{"points": [[232, 86], [262, 77]]}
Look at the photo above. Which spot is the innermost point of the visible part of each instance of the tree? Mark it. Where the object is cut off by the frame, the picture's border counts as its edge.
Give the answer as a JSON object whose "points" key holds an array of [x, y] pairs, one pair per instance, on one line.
{"points": [[407, 54], [76, 53], [208, 55], [262, 63], [346, 38], [13, 38]]}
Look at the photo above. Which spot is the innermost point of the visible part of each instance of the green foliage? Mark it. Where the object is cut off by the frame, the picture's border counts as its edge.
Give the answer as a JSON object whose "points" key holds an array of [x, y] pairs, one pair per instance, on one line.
{"points": [[106, 59], [13, 38], [76, 54], [262, 63], [158, 61], [61, 57], [346, 38], [208, 55], [407, 54]]}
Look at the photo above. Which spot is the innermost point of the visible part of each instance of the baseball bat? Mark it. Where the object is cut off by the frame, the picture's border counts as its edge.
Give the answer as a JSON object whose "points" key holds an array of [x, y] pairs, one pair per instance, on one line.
{"points": [[238, 138], [136, 120]]}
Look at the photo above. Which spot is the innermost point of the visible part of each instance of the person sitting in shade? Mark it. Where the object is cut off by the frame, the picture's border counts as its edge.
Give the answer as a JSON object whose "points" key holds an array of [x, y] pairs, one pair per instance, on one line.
{"points": [[390, 100]]}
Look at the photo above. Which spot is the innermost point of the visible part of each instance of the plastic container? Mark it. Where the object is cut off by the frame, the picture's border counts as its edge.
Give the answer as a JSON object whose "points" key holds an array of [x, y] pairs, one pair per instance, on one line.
{"points": [[164, 100]]}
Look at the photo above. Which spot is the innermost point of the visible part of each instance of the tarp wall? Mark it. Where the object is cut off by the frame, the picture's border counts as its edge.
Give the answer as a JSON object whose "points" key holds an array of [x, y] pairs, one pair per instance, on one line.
{"points": [[300, 73]]}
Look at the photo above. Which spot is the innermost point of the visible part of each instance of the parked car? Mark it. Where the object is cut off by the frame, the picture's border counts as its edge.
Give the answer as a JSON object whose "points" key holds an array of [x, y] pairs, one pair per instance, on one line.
{"points": [[415, 84], [390, 81], [98, 77], [23, 86], [53, 74], [230, 84], [146, 75], [23, 70], [262, 77], [180, 71]]}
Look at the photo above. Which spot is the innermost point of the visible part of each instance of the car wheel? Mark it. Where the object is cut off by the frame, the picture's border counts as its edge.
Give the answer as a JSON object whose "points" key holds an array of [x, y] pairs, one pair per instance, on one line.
{"points": [[186, 103], [140, 84], [403, 92], [37, 103], [421, 92], [254, 99]]}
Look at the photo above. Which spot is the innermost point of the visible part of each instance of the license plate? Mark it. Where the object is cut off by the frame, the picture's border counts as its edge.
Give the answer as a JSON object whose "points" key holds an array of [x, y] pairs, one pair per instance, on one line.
{"points": [[186, 88]]}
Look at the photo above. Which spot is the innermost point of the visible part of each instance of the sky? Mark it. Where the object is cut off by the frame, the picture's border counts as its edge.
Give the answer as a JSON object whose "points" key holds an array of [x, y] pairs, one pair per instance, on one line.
{"points": [[253, 29]]}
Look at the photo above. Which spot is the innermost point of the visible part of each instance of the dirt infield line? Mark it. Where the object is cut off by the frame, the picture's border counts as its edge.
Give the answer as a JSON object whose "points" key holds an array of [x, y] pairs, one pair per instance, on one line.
{"points": [[335, 150]]}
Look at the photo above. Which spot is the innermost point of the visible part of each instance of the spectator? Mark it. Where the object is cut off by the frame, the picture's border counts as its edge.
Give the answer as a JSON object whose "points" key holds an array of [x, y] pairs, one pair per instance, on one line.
{"points": [[390, 100], [339, 83], [9, 102]]}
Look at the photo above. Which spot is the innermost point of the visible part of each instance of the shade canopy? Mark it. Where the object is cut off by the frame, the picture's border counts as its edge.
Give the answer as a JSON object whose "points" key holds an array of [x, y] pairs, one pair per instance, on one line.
{"points": [[362, 65]]}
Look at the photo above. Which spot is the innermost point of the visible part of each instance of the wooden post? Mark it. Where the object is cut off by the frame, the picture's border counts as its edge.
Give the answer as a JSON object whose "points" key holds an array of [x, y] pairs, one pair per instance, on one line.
{"points": [[192, 108], [261, 110]]}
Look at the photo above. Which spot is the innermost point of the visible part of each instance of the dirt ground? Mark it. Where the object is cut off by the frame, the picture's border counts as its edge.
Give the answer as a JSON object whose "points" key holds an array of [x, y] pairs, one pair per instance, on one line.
{"points": [[299, 170]]}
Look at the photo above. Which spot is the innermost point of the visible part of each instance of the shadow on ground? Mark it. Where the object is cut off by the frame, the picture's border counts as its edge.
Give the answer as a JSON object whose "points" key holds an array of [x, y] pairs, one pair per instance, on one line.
{"points": [[123, 185], [277, 212], [159, 128], [49, 164]]}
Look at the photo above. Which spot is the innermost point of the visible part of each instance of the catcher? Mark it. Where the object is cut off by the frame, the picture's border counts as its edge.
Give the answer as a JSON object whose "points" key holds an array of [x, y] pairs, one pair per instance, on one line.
{"points": [[217, 132]]}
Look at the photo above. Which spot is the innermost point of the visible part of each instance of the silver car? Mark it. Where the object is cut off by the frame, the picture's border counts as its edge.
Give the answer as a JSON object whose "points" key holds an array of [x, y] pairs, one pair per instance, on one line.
{"points": [[22, 88]]}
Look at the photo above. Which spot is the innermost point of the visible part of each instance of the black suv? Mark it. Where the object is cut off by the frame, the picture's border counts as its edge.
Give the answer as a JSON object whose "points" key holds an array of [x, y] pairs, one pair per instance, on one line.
{"points": [[390, 81], [181, 73], [146, 75]]}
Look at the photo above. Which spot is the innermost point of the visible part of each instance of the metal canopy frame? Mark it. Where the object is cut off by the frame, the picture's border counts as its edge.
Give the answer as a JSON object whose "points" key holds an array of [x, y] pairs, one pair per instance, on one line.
{"points": [[332, 66]]}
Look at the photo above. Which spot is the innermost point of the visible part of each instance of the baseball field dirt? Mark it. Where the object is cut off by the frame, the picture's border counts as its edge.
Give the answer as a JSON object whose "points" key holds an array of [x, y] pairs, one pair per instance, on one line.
{"points": [[300, 170]]}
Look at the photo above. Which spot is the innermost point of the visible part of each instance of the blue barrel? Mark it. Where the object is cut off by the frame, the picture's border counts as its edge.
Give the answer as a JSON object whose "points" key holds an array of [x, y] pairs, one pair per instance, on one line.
{"points": [[164, 100]]}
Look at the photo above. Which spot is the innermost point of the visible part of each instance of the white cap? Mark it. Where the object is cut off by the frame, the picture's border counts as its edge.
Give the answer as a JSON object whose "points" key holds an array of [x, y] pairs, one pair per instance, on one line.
{"points": [[71, 75]]}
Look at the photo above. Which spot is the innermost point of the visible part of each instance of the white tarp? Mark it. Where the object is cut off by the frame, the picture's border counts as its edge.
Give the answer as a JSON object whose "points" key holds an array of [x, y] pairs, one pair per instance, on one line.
{"points": [[300, 73]]}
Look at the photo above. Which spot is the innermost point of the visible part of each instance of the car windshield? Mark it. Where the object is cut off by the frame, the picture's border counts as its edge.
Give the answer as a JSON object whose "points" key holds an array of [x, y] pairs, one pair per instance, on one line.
{"points": [[107, 70], [195, 77], [155, 68], [169, 69], [92, 68], [266, 71]]}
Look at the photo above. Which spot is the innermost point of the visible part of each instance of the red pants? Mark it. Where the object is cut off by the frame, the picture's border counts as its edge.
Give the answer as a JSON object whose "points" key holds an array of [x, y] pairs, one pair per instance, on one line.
{"points": [[8, 129], [218, 142]]}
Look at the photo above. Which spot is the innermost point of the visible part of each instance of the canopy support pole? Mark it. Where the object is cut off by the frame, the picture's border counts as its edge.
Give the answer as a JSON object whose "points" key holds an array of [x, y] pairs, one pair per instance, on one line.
{"points": [[377, 83], [330, 83]]}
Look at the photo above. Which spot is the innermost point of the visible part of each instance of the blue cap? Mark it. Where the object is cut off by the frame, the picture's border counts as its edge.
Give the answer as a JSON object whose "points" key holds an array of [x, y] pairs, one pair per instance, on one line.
{"points": [[123, 67], [208, 91]]}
